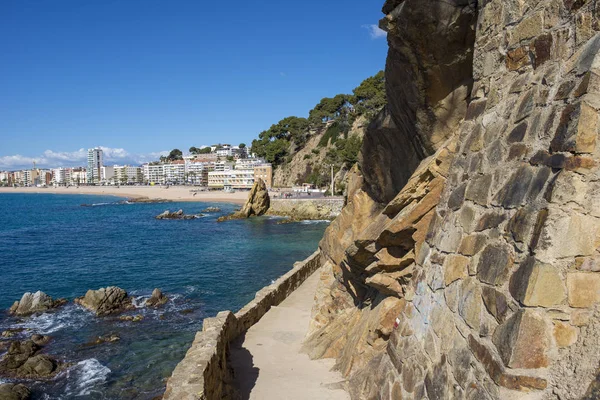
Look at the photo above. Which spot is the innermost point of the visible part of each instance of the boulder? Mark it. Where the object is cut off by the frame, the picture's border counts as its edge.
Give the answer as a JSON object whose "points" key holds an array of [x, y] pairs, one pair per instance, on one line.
{"points": [[106, 301], [258, 203], [110, 338], [40, 340], [176, 215], [12, 391], [32, 303], [211, 209], [23, 361], [157, 299]]}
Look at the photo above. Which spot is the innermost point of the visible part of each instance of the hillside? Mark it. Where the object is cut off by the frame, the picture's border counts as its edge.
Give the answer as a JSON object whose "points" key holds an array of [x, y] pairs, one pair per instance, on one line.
{"points": [[302, 150]]}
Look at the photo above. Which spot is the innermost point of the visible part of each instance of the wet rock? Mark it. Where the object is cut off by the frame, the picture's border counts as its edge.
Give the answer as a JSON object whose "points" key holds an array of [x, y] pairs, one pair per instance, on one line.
{"points": [[157, 299], [211, 210], [32, 303], [106, 301], [12, 391], [177, 215], [131, 318], [110, 338], [40, 340], [23, 361], [12, 332]]}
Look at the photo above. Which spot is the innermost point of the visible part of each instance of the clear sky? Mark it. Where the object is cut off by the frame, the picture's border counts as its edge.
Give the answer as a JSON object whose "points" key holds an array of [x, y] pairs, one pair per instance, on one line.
{"points": [[144, 76]]}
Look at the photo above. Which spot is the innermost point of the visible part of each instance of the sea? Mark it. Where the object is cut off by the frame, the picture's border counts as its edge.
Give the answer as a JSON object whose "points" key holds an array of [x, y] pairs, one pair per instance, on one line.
{"points": [[65, 245]]}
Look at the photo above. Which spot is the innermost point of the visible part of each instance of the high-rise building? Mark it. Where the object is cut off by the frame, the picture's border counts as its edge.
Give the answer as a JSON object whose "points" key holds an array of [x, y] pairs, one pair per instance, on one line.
{"points": [[95, 164]]}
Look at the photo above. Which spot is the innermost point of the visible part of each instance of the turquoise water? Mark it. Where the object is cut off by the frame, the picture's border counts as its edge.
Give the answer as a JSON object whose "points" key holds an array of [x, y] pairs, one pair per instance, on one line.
{"points": [[51, 243]]}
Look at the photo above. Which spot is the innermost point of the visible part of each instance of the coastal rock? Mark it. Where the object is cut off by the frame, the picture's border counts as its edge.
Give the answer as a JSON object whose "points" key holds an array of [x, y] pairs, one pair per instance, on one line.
{"points": [[106, 301], [23, 361], [258, 203], [131, 318], [40, 340], [211, 210], [12, 391], [32, 303], [176, 215], [146, 200], [157, 299], [110, 338]]}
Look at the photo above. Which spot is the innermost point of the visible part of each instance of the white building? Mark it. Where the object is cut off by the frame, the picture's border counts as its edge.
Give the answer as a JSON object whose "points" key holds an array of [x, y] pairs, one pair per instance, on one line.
{"points": [[79, 176], [224, 166], [126, 174], [197, 172], [154, 173], [107, 174], [248, 163], [175, 172], [61, 176], [95, 164], [231, 179]]}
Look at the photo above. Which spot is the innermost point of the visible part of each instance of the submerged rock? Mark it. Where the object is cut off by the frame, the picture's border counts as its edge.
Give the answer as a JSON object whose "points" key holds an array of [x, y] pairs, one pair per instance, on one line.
{"points": [[157, 299], [211, 209], [146, 200], [110, 338], [12, 391], [176, 215], [106, 301], [23, 361], [32, 303], [131, 318], [258, 203]]}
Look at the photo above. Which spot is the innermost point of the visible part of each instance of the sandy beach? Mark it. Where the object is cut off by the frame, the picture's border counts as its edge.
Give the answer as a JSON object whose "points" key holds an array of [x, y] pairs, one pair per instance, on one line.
{"points": [[174, 193]]}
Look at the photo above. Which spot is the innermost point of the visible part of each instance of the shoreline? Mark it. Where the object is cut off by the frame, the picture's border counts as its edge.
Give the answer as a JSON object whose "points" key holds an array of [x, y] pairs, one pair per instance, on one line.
{"points": [[173, 193]]}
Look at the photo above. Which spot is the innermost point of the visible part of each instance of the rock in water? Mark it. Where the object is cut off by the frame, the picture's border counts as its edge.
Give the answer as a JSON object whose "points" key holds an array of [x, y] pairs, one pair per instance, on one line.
{"points": [[211, 209], [176, 215], [106, 301], [258, 203], [11, 391], [37, 302], [23, 362], [157, 298]]}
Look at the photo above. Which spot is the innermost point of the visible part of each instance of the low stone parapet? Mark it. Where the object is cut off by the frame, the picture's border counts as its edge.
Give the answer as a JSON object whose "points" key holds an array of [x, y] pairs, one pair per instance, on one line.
{"points": [[327, 208], [204, 372]]}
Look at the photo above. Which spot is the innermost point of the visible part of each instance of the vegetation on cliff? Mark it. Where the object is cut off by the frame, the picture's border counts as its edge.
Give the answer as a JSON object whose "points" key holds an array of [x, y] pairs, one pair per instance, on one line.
{"points": [[331, 122]]}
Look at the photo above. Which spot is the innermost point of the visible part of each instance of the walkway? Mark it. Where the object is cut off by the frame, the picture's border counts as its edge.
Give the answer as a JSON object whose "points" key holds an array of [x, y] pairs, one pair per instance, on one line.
{"points": [[267, 362]]}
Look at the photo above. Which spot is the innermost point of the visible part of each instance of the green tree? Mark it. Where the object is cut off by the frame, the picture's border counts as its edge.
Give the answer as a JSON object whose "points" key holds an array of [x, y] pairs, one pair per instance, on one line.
{"points": [[174, 155], [206, 150], [369, 96], [194, 150], [242, 145], [330, 108]]}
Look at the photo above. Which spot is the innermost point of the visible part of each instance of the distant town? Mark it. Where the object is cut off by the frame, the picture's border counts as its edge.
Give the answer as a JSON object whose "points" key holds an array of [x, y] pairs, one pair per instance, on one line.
{"points": [[221, 166]]}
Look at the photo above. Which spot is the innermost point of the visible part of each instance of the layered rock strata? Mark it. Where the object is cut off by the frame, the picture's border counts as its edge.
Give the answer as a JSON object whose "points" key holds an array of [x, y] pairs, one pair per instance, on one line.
{"points": [[32, 303], [106, 301], [466, 262], [258, 203]]}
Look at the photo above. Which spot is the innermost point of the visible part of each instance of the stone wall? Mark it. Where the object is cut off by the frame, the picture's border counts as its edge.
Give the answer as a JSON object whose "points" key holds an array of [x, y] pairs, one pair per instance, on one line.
{"points": [[204, 372], [327, 208], [479, 280]]}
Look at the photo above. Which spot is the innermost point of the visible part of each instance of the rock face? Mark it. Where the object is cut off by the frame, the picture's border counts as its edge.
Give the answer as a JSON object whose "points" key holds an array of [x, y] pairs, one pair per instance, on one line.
{"points": [[32, 303], [258, 203], [157, 299], [23, 361], [11, 391], [106, 301], [474, 219], [176, 215]]}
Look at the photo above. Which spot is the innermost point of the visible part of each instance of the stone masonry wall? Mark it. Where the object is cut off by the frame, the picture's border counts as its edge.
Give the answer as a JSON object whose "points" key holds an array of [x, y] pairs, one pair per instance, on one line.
{"points": [[204, 373], [499, 299], [307, 208]]}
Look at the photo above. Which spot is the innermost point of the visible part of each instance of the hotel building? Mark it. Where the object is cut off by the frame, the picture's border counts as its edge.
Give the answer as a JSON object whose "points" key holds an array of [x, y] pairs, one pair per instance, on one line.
{"points": [[94, 167]]}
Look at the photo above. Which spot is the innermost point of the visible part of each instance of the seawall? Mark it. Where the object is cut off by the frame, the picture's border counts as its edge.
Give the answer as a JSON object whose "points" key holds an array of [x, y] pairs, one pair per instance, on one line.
{"points": [[328, 208], [204, 373]]}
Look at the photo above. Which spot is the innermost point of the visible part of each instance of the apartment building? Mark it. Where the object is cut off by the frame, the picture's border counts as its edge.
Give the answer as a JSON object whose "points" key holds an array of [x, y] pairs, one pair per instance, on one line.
{"points": [[127, 174], [231, 179], [95, 164]]}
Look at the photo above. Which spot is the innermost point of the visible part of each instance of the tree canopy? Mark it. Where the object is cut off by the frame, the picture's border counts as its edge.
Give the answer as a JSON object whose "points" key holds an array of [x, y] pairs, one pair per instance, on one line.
{"points": [[174, 155]]}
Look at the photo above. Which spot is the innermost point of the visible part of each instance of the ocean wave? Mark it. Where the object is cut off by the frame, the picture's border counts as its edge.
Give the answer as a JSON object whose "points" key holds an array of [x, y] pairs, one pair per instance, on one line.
{"points": [[315, 221], [85, 378], [47, 323]]}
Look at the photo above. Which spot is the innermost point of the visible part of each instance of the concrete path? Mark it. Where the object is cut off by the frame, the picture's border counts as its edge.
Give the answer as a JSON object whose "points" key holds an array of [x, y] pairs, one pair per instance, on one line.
{"points": [[267, 362]]}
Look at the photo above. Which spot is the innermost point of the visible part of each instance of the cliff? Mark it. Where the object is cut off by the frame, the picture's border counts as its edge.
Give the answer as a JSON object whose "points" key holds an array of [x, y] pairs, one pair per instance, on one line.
{"points": [[465, 264], [310, 159]]}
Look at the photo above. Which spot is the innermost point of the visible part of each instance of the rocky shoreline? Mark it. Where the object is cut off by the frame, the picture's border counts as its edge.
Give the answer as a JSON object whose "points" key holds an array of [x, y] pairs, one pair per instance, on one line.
{"points": [[25, 360]]}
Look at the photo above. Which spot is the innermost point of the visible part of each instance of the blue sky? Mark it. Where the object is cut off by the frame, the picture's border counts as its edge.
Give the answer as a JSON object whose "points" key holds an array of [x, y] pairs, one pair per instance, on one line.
{"points": [[143, 76]]}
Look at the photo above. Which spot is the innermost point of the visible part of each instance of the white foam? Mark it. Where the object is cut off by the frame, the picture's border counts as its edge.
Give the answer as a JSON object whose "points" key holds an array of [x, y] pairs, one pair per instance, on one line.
{"points": [[315, 221], [48, 323], [85, 378]]}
